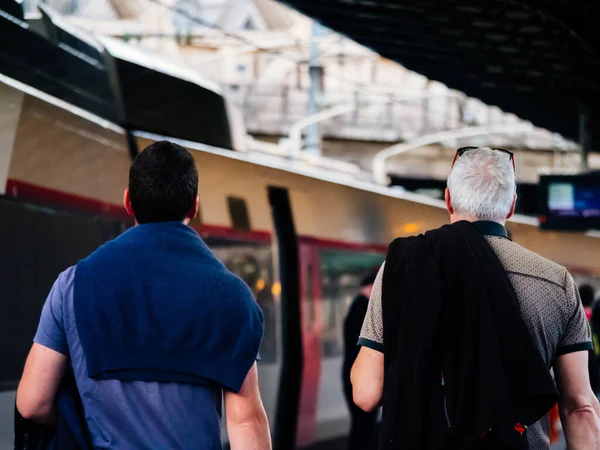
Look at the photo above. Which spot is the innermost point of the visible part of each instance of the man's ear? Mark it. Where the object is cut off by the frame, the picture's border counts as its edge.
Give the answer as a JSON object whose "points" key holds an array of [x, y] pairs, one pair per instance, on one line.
{"points": [[127, 203], [512, 208], [193, 212], [448, 201]]}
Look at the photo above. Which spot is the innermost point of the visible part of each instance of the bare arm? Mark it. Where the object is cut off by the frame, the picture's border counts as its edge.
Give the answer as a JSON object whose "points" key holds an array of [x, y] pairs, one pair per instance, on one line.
{"points": [[579, 408], [367, 379], [247, 424], [39, 384]]}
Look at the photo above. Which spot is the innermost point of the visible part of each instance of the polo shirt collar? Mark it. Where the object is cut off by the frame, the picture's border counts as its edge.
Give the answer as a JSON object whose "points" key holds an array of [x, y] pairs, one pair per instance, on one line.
{"points": [[489, 228]]}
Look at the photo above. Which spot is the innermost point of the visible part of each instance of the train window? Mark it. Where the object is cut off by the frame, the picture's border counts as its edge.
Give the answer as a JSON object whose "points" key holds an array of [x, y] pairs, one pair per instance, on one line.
{"points": [[37, 244], [238, 211], [341, 272], [252, 262]]}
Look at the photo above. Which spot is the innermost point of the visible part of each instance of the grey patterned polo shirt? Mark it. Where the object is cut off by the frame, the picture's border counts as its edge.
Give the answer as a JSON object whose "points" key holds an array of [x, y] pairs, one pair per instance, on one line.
{"points": [[548, 298]]}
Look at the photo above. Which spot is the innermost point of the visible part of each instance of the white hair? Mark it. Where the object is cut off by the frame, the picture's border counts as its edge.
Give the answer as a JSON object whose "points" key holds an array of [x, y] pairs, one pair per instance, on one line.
{"points": [[482, 184]]}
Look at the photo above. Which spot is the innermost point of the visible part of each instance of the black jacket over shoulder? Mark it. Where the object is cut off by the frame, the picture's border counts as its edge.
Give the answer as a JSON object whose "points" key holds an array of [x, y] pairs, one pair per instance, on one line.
{"points": [[461, 369]]}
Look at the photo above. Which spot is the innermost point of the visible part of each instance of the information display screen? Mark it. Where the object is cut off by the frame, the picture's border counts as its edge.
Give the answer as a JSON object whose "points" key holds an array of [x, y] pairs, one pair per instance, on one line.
{"points": [[570, 202]]}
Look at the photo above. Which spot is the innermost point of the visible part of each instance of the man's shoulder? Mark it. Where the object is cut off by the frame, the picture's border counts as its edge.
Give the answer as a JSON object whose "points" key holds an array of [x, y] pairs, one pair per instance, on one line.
{"points": [[67, 276], [64, 282], [520, 260], [64, 288]]}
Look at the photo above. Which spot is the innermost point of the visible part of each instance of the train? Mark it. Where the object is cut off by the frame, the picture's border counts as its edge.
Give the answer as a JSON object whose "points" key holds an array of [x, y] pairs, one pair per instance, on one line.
{"points": [[299, 234]]}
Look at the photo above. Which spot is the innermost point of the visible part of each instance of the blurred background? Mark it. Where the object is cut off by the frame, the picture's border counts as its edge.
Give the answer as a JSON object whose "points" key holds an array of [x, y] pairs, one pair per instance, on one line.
{"points": [[275, 66]]}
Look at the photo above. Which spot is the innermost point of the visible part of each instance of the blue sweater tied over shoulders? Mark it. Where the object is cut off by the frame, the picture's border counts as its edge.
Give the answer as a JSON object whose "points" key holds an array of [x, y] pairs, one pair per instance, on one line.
{"points": [[155, 304]]}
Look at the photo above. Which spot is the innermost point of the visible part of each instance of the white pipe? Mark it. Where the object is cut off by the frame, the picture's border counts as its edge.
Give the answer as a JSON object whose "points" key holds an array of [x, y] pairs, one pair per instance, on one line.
{"points": [[380, 158], [295, 135]]}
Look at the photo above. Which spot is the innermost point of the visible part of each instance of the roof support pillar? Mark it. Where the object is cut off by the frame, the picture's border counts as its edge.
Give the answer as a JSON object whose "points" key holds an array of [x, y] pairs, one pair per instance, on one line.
{"points": [[315, 93], [584, 134]]}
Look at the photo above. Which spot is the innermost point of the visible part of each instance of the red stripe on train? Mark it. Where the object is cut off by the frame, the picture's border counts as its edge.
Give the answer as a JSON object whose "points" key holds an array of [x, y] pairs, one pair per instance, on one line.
{"points": [[343, 245], [51, 197]]}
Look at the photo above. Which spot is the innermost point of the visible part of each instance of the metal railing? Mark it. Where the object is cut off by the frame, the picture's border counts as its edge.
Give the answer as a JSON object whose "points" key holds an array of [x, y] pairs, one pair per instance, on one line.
{"points": [[388, 117]]}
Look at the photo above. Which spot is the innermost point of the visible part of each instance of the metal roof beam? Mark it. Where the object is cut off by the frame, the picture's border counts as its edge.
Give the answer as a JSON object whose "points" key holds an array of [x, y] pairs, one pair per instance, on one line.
{"points": [[379, 173]]}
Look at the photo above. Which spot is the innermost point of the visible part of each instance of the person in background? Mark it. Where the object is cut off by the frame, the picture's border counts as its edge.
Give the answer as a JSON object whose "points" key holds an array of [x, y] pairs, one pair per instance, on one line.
{"points": [[464, 325], [586, 293], [363, 424], [596, 315], [157, 331]]}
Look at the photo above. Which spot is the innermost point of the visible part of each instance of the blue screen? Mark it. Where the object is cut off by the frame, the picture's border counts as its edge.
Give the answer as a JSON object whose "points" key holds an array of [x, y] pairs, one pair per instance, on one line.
{"points": [[571, 200]]}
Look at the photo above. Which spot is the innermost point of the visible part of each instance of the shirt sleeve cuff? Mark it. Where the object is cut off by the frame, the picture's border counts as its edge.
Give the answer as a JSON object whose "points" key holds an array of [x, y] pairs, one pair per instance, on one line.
{"points": [[364, 342], [572, 348], [52, 344]]}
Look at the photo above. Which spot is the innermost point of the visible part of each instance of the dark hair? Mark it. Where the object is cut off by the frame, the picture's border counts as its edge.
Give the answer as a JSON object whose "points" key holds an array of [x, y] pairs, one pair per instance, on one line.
{"points": [[586, 293], [369, 277], [163, 183]]}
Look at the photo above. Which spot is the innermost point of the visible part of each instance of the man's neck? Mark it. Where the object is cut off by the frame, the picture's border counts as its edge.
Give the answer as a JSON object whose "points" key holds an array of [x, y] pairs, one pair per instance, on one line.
{"points": [[459, 217]]}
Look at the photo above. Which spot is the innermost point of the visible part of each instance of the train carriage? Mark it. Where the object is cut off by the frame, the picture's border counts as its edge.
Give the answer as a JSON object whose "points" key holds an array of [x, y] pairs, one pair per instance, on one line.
{"points": [[65, 181]]}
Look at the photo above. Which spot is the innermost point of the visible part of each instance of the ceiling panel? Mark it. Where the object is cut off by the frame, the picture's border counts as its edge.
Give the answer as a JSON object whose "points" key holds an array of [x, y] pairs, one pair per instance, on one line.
{"points": [[538, 59]]}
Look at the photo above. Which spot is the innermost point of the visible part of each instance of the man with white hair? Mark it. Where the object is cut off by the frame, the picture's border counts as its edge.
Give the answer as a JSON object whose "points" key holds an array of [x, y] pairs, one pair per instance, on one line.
{"points": [[464, 326]]}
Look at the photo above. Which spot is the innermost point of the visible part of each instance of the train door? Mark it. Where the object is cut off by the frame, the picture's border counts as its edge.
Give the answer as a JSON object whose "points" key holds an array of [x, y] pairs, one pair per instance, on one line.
{"points": [[341, 268], [250, 256], [310, 294]]}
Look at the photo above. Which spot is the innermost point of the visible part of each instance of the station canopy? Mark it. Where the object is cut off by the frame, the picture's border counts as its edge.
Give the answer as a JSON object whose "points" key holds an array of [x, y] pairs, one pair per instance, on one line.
{"points": [[538, 59]]}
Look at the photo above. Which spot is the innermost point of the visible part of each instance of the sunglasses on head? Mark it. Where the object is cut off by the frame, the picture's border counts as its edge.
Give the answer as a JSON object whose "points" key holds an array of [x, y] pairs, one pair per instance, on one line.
{"points": [[461, 151]]}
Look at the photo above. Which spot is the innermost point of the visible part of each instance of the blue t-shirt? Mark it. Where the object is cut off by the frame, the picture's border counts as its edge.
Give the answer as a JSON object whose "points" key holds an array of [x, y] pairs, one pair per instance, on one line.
{"points": [[130, 414]]}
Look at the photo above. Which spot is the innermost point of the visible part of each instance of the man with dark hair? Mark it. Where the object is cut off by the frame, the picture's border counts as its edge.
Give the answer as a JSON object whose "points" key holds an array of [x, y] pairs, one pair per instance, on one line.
{"points": [[156, 329], [163, 184], [362, 425]]}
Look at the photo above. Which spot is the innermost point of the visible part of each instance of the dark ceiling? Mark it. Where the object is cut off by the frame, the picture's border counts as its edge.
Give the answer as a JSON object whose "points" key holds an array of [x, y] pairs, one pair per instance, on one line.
{"points": [[538, 59]]}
